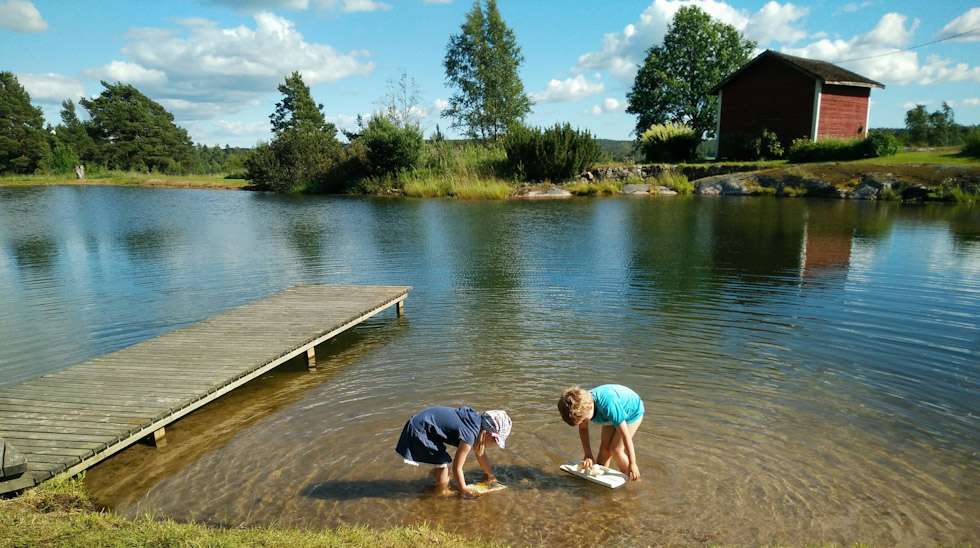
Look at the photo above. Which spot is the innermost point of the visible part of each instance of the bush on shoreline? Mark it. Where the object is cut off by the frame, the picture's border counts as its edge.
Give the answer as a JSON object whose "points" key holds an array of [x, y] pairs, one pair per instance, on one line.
{"points": [[874, 145], [668, 143], [555, 154]]}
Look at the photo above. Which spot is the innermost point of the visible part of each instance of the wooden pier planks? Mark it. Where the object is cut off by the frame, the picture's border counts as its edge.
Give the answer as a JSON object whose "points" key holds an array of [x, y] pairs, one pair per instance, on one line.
{"points": [[72, 419]]}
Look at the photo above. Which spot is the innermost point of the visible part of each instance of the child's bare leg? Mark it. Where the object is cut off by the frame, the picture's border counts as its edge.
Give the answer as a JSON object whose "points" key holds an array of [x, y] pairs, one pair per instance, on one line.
{"points": [[605, 445], [441, 475], [619, 447]]}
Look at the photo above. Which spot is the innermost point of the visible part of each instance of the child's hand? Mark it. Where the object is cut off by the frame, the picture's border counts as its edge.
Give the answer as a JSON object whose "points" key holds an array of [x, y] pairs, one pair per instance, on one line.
{"points": [[490, 479], [634, 472], [587, 463]]}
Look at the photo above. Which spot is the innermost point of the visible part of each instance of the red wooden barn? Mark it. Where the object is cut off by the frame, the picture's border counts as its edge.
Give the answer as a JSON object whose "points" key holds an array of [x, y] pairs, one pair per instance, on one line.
{"points": [[794, 97]]}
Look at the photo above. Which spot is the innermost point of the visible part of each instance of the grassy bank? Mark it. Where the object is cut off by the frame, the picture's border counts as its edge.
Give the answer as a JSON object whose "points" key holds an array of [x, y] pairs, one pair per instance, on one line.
{"points": [[119, 178], [59, 513]]}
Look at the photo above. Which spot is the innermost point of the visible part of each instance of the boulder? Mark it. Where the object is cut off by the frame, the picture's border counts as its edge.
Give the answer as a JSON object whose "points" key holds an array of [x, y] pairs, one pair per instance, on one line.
{"points": [[545, 193], [12, 463], [724, 185], [665, 191], [636, 189]]}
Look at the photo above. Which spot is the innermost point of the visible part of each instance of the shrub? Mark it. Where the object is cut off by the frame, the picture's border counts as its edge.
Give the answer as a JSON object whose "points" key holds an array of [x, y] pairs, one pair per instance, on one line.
{"points": [[880, 144], [553, 154], [829, 150], [764, 145], [669, 143], [675, 181], [388, 148], [971, 143]]}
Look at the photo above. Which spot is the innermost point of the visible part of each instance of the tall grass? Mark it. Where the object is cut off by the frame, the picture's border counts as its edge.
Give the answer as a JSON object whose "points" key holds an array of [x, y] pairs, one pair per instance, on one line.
{"points": [[599, 188], [675, 181], [424, 184]]}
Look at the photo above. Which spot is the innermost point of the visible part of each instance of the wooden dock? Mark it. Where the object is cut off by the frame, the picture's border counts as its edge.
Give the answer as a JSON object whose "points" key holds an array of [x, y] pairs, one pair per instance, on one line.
{"points": [[72, 419]]}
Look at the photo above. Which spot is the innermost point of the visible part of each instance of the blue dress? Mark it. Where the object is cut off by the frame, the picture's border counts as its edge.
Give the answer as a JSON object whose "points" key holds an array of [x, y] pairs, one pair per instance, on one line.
{"points": [[426, 435]]}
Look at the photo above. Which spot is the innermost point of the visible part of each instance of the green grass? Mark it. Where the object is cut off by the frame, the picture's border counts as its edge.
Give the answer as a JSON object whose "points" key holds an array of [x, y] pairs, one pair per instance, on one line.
{"points": [[794, 191], [676, 182], [948, 155], [124, 178], [599, 188], [59, 513], [428, 185]]}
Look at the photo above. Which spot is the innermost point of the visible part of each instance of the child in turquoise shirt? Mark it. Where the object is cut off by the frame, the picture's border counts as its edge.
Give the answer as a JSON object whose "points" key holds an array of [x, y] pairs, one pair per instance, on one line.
{"points": [[618, 410]]}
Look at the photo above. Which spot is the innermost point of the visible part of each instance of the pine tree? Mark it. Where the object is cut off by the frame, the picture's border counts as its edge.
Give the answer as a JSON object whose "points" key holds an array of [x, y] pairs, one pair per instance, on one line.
{"points": [[23, 140], [133, 132], [73, 133], [482, 63], [298, 110]]}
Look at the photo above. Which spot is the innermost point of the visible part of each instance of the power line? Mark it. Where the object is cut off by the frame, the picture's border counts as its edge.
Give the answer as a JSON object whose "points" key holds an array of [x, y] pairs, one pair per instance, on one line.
{"points": [[910, 48]]}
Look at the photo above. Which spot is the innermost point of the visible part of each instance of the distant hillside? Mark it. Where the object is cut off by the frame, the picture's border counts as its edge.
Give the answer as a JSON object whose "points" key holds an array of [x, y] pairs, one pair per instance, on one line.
{"points": [[618, 151]]}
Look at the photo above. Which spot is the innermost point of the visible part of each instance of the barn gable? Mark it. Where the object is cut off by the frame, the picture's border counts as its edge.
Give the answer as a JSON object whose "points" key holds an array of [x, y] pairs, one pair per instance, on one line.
{"points": [[793, 97]]}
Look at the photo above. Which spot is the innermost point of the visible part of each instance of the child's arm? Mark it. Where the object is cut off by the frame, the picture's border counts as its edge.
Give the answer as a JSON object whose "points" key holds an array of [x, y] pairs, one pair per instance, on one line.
{"points": [[624, 431], [458, 461], [583, 434], [481, 457]]}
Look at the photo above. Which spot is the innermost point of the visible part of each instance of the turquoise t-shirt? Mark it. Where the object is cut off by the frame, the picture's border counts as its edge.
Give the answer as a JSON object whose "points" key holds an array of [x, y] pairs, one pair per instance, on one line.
{"points": [[614, 404]]}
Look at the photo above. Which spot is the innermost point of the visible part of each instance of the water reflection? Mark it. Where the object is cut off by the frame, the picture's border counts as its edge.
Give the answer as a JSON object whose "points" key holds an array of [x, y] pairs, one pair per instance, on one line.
{"points": [[809, 366]]}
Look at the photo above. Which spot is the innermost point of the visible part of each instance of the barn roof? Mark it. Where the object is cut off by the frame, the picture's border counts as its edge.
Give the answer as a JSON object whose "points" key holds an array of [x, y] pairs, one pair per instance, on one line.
{"points": [[827, 73]]}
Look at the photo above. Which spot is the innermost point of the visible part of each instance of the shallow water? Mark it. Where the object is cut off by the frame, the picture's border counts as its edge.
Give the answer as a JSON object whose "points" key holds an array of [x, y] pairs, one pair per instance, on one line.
{"points": [[810, 368]]}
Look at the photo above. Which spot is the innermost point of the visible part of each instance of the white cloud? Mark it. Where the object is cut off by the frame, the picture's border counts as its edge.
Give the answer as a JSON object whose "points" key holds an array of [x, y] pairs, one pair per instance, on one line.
{"points": [[569, 89], [971, 102], [774, 22], [353, 6], [609, 104], [201, 70], [622, 51], [440, 104], [51, 88], [132, 73], [852, 7], [876, 54], [345, 6], [21, 16], [969, 22]]}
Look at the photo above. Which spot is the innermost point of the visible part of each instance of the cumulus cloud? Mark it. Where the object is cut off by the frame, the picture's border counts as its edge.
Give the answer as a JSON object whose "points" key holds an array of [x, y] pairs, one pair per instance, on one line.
{"points": [[345, 6], [21, 16], [440, 104], [132, 73], [969, 23], [201, 70], [609, 104], [876, 54], [852, 7], [51, 88], [621, 52], [569, 89], [971, 102]]}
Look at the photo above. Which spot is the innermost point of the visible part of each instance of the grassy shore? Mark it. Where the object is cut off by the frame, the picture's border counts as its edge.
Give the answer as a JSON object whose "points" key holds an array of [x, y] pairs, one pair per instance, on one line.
{"points": [[59, 513], [119, 178]]}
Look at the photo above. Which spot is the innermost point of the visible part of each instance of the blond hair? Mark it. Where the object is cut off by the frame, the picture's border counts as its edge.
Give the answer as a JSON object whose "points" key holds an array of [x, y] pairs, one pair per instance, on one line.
{"points": [[575, 405]]}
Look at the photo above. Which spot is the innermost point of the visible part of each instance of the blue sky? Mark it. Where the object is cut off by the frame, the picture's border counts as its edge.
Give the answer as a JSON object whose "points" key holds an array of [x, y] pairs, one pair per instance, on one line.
{"points": [[216, 63]]}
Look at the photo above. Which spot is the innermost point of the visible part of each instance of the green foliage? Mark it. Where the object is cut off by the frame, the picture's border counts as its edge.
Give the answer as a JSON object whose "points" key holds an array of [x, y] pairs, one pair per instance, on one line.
{"points": [[304, 149], [675, 181], [971, 145], [600, 188], [839, 150], [557, 153], [669, 143], [674, 82], [388, 148], [794, 191], [74, 134], [428, 185], [879, 144], [23, 141], [482, 64], [937, 128], [764, 145], [133, 132], [62, 159]]}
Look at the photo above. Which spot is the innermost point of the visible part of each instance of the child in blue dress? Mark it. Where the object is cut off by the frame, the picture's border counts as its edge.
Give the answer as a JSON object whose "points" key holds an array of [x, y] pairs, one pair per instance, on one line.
{"points": [[619, 410], [426, 435]]}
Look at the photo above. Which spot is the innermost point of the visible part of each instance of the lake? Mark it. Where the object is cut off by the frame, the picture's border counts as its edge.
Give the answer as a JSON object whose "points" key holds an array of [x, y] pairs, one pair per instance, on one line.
{"points": [[810, 368]]}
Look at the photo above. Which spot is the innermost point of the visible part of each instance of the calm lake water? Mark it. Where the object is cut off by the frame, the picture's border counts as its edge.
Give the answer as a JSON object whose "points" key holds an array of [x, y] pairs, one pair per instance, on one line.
{"points": [[810, 368]]}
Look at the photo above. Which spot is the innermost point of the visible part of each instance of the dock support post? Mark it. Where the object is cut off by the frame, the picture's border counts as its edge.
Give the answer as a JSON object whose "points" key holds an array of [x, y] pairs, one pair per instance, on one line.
{"points": [[311, 358], [158, 438], [400, 308]]}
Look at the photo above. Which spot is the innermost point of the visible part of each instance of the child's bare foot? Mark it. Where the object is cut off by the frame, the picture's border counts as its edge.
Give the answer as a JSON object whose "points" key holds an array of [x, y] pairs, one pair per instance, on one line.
{"points": [[440, 490]]}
